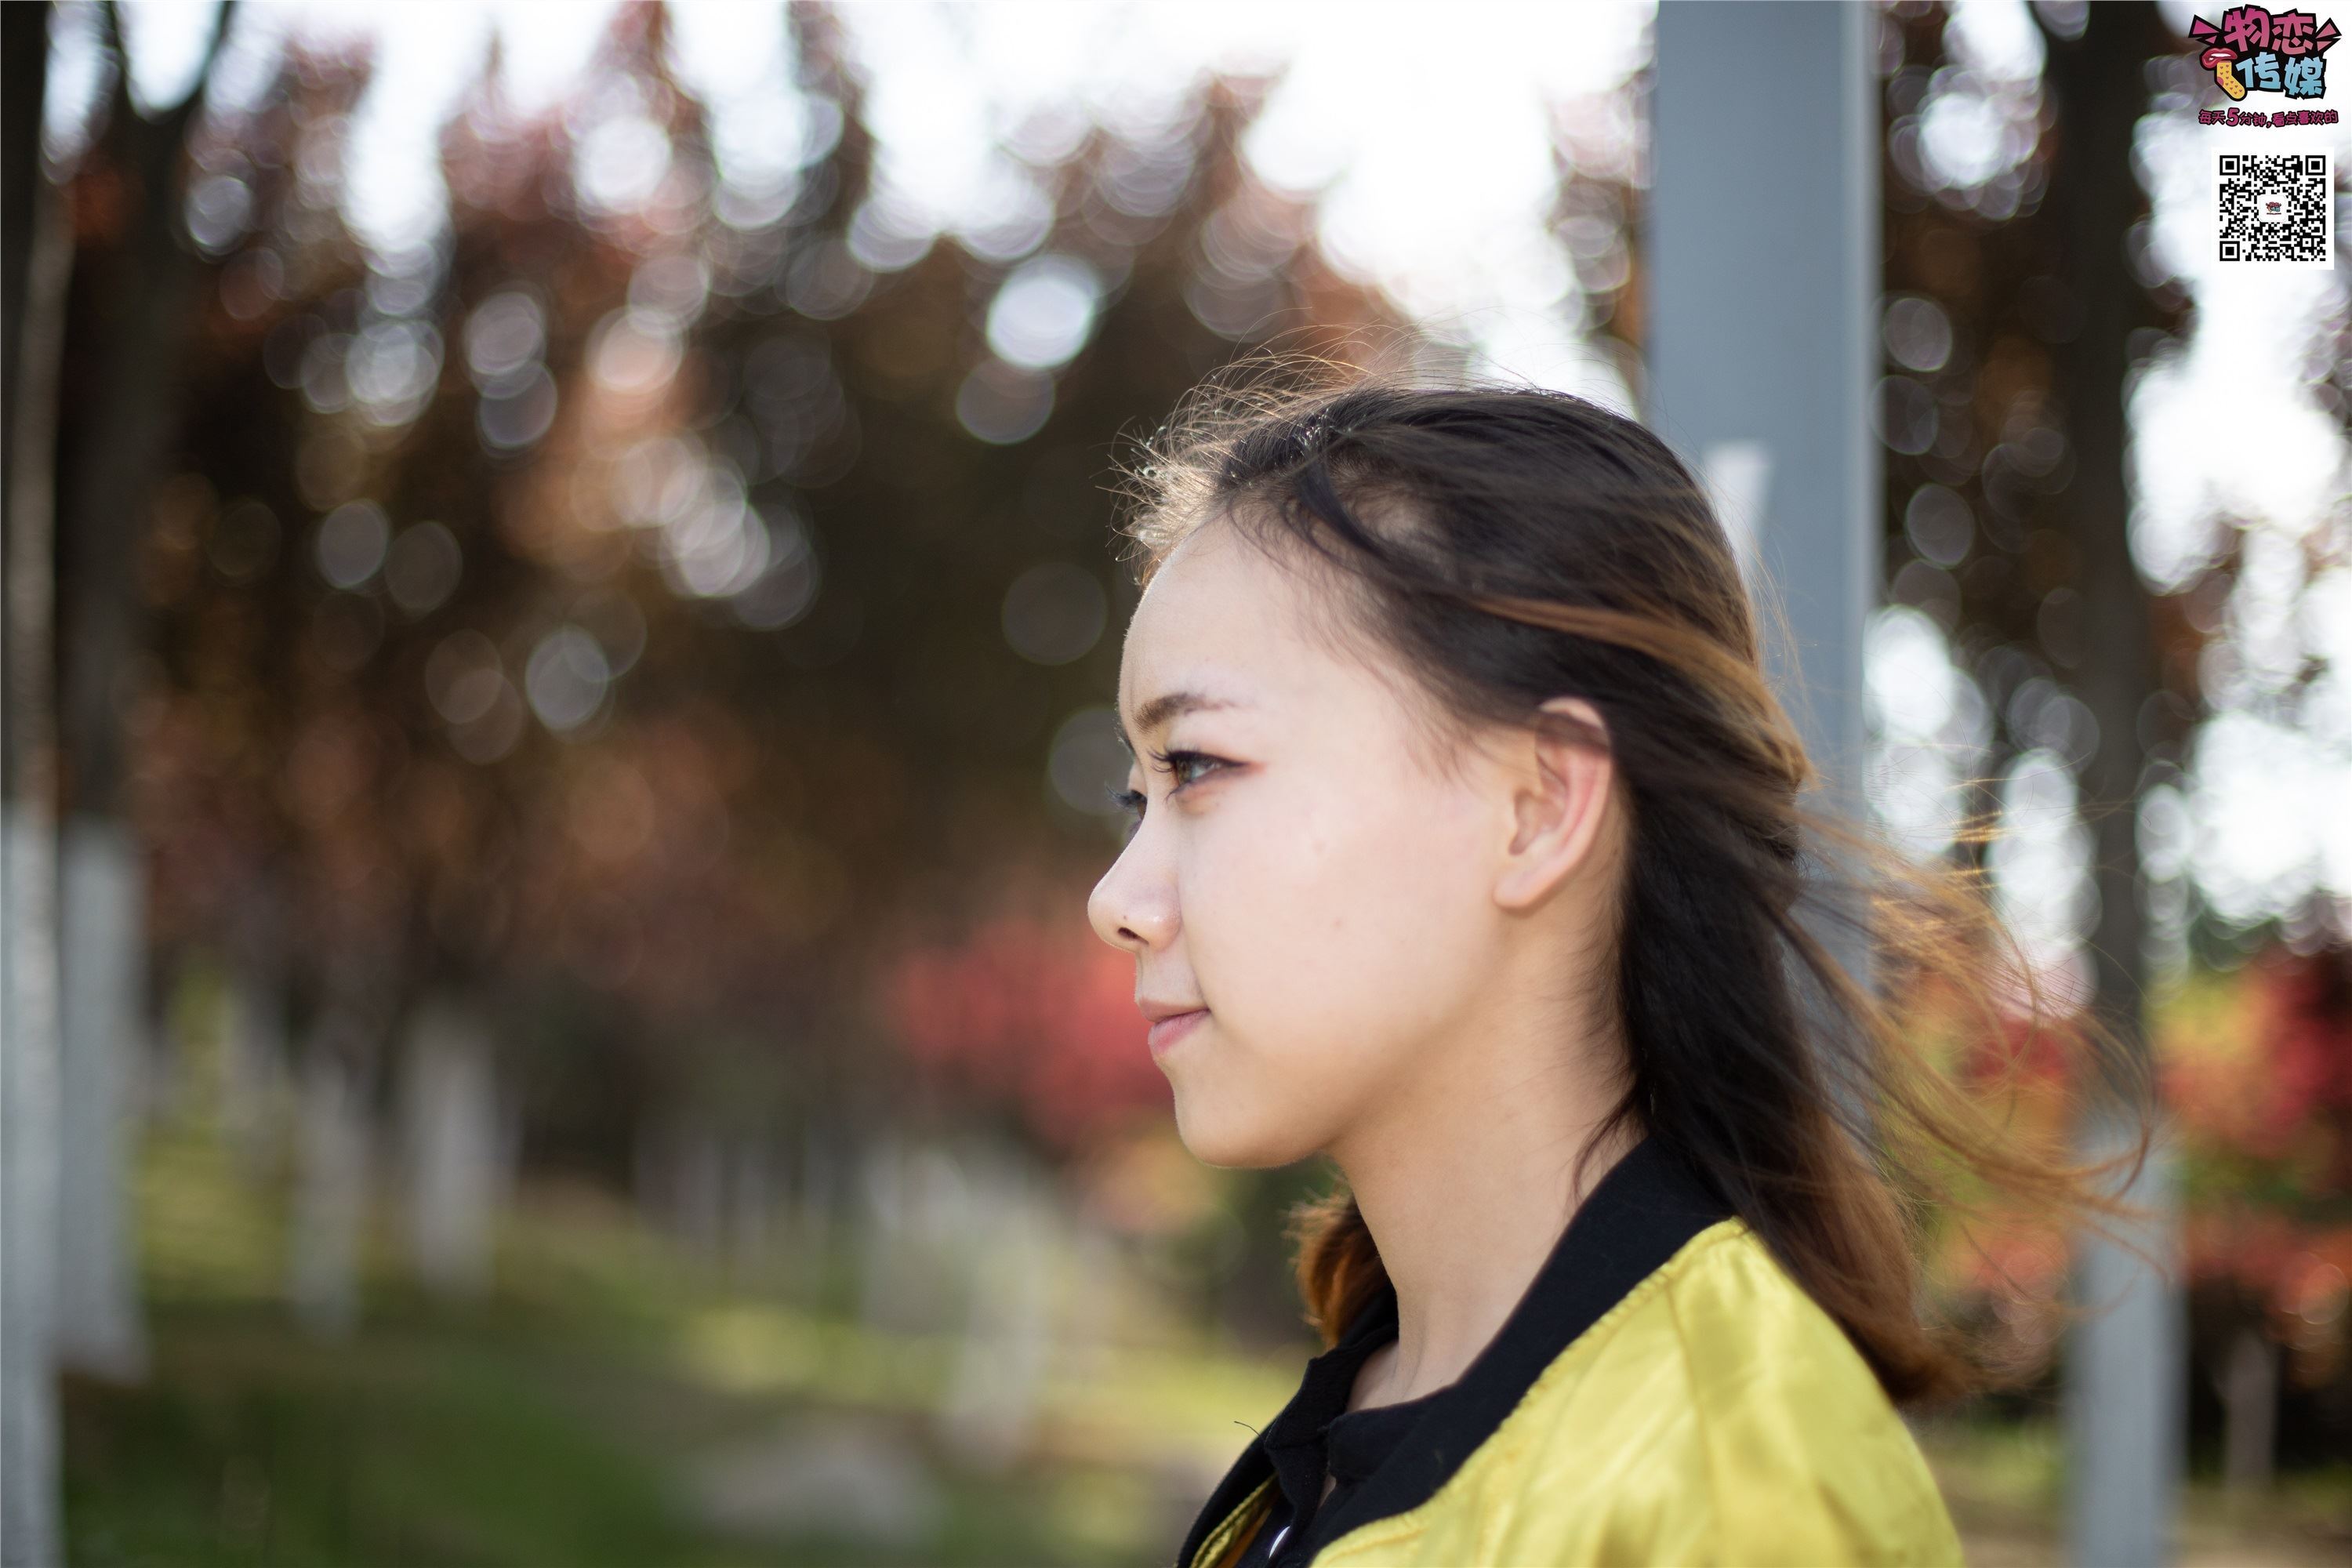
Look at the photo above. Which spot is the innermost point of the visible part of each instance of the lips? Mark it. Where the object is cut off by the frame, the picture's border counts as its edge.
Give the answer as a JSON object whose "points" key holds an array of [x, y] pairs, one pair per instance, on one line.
{"points": [[1167, 1031]]}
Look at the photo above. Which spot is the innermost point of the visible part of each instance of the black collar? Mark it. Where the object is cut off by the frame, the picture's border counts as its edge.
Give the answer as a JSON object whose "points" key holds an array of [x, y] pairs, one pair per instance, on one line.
{"points": [[1640, 1214]]}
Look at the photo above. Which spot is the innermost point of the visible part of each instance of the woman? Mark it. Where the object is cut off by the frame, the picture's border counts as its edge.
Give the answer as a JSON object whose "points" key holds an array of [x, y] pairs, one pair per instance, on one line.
{"points": [[1468, 853]]}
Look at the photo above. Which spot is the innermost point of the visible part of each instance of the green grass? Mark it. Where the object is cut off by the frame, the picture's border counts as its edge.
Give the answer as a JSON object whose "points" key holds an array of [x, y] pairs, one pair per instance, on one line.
{"points": [[409, 1445], [562, 1420], [2005, 1483], [458, 1442]]}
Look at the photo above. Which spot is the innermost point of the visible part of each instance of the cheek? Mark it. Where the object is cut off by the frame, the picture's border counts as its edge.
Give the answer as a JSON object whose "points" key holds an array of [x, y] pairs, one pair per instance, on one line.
{"points": [[1334, 937], [1339, 919]]}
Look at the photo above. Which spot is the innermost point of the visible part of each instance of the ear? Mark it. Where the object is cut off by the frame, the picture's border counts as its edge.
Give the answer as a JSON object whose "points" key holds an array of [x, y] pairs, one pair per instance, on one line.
{"points": [[1562, 787]]}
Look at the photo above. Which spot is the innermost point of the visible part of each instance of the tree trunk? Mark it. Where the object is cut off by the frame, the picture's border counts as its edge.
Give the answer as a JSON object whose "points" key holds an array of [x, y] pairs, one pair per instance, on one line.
{"points": [[146, 290], [35, 259], [2124, 1394], [2249, 1387]]}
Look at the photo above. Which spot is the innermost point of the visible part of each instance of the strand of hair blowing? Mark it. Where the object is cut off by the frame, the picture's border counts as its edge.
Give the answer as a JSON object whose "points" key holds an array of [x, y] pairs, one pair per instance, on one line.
{"points": [[1507, 545]]}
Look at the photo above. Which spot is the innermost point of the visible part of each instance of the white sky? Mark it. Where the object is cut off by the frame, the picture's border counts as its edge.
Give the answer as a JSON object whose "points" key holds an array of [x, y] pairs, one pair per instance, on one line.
{"points": [[1430, 143], [1427, 133]]}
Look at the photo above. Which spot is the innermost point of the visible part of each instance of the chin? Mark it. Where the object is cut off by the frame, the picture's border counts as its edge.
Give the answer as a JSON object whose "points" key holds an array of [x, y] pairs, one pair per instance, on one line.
{"points": [[1218, 1142]]}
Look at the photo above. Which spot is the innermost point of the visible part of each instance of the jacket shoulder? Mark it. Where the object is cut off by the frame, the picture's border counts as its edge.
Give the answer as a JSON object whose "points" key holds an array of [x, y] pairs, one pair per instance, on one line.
{"points": [[1717, 1413], [1807, 1460]]}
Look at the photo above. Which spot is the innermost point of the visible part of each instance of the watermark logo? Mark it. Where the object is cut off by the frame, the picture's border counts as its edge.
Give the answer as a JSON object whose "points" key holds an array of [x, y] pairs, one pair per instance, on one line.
{"points": [[2259, 50], [2276, 208]]}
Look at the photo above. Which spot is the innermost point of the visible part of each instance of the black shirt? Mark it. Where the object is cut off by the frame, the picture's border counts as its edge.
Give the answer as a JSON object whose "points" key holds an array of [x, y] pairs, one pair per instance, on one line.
{"points": [[1357, 1443], [1347, 1446], [1391, 1459]]}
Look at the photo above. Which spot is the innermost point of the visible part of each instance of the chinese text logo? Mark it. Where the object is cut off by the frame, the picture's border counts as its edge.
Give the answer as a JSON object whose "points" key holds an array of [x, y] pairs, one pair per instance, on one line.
{"points": [[2257, 50]]}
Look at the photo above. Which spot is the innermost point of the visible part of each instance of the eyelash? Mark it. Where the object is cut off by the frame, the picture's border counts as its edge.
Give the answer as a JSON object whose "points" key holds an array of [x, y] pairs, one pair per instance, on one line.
{"points": [[1133, 800]]}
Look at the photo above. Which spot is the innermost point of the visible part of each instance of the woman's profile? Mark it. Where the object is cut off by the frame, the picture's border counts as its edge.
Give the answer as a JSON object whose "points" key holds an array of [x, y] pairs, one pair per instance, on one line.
{"points": [[1469, 854]]}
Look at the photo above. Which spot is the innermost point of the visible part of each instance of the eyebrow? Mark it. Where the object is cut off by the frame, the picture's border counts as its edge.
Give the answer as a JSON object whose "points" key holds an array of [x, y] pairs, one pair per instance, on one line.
{"points": [[1168, 706]]}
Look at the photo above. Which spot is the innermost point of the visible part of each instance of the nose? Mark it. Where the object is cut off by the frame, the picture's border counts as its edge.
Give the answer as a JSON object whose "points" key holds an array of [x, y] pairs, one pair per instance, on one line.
{"points": [[1133, 907]]}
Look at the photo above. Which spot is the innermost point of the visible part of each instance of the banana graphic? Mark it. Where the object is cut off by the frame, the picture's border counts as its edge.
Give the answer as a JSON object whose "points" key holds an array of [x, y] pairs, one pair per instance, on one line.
{"points": [[2220, 60]]}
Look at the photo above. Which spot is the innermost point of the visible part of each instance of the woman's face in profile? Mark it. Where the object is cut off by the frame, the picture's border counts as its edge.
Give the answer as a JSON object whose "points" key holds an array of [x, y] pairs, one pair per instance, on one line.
{"points": [[1301, 875]]}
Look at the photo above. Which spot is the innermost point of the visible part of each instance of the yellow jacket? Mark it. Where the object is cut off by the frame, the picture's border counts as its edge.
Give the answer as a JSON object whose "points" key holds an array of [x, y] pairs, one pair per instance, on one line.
{"points": [[1664, 1393]]}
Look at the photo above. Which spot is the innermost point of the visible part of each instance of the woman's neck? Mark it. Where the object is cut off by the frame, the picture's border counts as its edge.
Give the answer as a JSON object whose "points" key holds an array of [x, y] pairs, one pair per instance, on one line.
{"points": [[1465, 1196]]}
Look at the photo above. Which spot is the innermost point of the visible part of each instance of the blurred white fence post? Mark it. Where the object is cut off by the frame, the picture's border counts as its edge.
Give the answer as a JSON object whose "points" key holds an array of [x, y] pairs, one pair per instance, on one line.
{"points": [[750, 1203], [1011, 1245], [881, 1226], [329, 1197], [255, 1080], [102, 1023], [454, 1151], [681, 1181], [29, 1525], [812, 1220], [699, 1173]]}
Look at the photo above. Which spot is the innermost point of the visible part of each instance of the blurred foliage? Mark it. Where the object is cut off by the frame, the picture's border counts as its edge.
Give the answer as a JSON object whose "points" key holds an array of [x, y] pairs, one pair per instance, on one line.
{"points": [[639, 604], [2250, 1028], [2255, 1064], [586, 1413], [1981, 529]]}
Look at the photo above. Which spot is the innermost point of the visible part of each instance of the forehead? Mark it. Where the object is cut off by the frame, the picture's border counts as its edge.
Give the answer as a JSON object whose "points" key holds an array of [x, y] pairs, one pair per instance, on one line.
{"points": [[1270, 646], [1271, 641], [1220, 624], [1219, 603]]}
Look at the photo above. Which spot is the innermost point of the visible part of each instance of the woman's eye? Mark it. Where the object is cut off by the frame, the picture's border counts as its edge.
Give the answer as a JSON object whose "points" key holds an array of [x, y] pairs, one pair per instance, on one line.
{"points": [[1180, 761], [1176, 763]]}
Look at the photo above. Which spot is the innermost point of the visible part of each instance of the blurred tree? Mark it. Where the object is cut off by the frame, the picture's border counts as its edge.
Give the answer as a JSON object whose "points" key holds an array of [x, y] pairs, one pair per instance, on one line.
{"points": [[2004, 416], [661, 555], [2097, 78], [2020, 307], [35, 259], [131, 310], [2259, 1061], [2003, 471], [1600, 158]]}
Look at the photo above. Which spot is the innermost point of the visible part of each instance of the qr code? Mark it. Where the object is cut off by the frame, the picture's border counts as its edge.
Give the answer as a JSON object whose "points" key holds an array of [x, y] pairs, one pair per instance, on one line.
{"points": [[2276, 207]]}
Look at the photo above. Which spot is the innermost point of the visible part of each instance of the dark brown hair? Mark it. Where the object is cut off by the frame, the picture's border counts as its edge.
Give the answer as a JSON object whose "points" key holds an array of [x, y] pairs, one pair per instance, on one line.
{"points": [[1506, 544]]}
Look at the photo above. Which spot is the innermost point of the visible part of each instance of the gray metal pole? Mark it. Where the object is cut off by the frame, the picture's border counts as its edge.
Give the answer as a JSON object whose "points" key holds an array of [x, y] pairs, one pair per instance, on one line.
{"points": [[1763, 249], [1763, 246], [2127, 1380]]}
